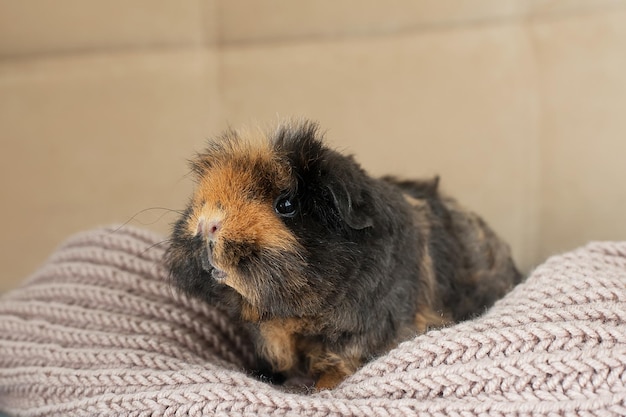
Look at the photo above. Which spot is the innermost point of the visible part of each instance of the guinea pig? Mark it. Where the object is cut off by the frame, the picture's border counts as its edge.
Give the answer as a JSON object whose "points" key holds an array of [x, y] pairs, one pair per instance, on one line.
{"points": [[325, 265]]}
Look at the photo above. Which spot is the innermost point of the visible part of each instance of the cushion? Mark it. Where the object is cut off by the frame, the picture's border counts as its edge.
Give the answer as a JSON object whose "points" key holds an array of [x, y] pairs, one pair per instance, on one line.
{"points": [[99, 330]]}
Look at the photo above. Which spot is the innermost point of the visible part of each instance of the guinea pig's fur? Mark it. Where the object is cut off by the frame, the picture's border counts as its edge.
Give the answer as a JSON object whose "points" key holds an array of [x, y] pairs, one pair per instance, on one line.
{"points": [[327, 266]]}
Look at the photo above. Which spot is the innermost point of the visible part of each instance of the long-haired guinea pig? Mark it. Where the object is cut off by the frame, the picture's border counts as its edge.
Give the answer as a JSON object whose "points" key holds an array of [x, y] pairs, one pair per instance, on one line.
{"points": [[327, 266]]}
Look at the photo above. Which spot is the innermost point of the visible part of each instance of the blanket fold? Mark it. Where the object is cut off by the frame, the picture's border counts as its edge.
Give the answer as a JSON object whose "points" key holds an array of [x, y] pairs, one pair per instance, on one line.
{"points": [[98, 330]]}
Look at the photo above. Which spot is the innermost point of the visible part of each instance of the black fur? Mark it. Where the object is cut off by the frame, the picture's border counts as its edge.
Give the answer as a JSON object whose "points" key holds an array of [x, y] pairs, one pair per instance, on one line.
{"points": [[354, 230]]}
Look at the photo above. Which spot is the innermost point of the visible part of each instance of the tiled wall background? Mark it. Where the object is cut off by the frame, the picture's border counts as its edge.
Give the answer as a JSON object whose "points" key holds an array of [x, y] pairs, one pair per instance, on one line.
{"points": [[519, 105]]}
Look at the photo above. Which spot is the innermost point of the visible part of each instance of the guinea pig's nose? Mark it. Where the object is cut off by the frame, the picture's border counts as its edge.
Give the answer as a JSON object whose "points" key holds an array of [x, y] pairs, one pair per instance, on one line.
{"points": [[209, 228]]}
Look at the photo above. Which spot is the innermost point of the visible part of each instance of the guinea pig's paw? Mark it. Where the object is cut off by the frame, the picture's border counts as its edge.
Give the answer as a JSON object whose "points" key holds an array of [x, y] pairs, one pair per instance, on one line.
{"points": [[332, 368], [330, 379]]}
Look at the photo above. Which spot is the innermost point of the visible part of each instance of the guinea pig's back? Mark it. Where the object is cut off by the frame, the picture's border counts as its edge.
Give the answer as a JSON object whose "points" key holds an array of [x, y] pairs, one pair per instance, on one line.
{"points": [[472, 264], [487, 271]]}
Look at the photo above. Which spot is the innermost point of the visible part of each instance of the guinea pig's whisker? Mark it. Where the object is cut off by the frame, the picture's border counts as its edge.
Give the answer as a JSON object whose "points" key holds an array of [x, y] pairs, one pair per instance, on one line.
{"points": [[154, 246], [165, 210]]}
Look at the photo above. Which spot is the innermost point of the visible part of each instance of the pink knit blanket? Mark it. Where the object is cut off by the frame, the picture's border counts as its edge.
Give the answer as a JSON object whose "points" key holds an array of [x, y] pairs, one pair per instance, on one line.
{"points": [[98, 331]]}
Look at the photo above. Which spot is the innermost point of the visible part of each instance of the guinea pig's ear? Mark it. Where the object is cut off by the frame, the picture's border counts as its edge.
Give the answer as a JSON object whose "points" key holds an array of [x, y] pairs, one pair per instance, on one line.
{"points": [[350, 202]]}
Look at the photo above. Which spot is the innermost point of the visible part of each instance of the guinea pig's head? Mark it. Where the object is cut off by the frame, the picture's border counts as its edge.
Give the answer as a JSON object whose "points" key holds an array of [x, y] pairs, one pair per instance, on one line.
{"points": [[279, 218]]}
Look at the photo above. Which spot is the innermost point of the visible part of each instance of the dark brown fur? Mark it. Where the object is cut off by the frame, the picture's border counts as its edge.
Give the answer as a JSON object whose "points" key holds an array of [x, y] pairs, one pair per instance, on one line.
{"points": [[325, 265]]}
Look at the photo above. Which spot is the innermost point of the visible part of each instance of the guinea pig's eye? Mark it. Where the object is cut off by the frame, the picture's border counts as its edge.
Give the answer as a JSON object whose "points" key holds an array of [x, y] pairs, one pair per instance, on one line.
{"points": [[285, 206]]}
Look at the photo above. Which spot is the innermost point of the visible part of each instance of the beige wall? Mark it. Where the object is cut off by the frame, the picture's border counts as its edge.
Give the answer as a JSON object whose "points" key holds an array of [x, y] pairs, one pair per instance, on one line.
{"points": [[518, 104]]}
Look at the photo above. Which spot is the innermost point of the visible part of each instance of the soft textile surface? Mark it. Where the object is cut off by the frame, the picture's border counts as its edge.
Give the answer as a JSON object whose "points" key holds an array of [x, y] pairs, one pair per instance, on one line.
{"points": [[98, 331]]}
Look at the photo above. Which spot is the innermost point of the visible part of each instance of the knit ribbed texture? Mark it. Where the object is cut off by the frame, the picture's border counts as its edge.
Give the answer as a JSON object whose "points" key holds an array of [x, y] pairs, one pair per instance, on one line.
{"points": [[99, 331]]}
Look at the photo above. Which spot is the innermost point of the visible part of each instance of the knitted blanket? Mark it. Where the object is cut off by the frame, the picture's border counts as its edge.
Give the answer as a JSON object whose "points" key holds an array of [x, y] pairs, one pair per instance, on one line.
{"points": [[99, 331]]}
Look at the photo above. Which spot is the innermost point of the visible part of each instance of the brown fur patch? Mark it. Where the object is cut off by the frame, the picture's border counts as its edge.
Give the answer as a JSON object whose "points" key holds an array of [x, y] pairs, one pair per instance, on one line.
{"points": [[331, 378], [332, 368], [249, 312], [428, 293], [230, 192], [224, 195], [416, 203], [286, 346], [428, 319], [279, 342]]}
